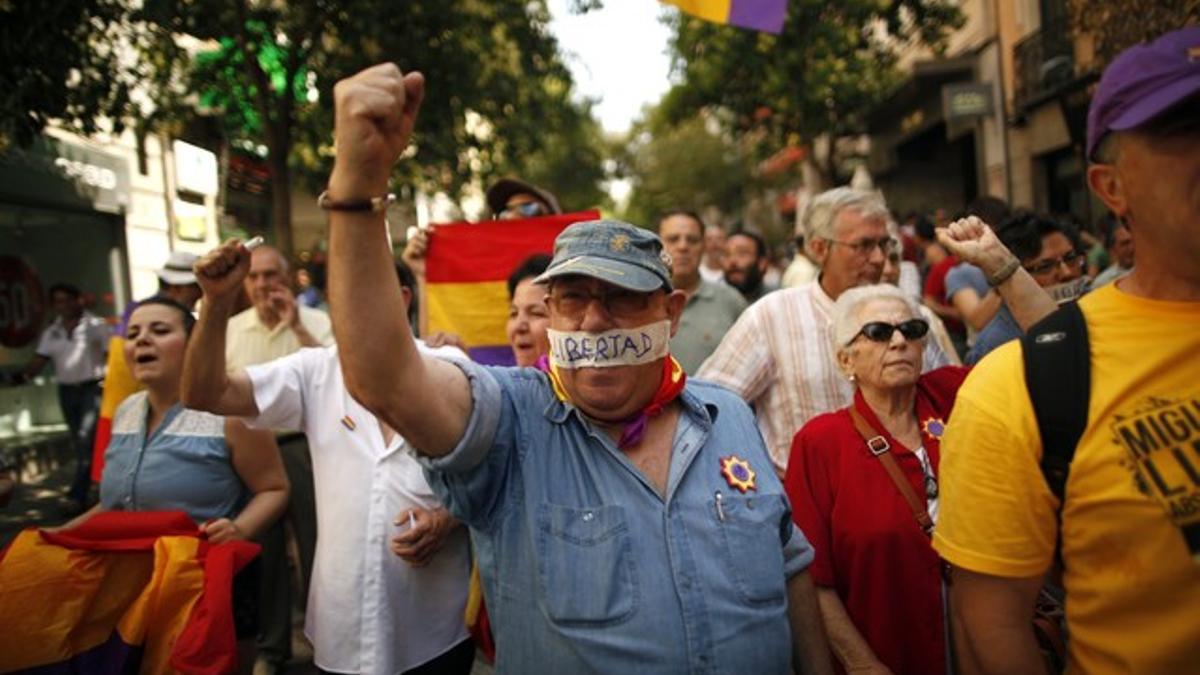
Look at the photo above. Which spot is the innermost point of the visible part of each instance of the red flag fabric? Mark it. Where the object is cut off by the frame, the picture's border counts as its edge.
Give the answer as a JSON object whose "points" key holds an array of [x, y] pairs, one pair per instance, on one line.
{"points": [[123, 592], [466, 271]]}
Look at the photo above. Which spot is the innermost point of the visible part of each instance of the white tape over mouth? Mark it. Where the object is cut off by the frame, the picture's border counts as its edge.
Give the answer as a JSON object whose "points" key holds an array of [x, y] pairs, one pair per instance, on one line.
{"points": [[1068, 290], [617, 347]]}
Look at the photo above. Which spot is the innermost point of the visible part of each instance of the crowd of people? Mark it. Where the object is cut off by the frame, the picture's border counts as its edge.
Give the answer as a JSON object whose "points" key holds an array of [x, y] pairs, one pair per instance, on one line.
{"points": [[859, 463]]}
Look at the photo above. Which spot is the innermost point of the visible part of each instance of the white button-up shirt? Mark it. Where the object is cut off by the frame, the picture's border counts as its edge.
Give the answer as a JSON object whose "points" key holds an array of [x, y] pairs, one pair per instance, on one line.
{"points": [[368, 610], [80, 355]]}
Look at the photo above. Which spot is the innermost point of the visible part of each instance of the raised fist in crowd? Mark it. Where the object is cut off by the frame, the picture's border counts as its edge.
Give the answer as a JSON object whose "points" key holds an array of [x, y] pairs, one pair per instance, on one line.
{"points": [[375, 111], [220, 272]]}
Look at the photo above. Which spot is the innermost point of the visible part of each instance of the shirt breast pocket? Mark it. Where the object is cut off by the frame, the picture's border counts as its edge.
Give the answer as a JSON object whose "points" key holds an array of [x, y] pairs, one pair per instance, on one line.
{"points": [[586, 566], [750, 528]]}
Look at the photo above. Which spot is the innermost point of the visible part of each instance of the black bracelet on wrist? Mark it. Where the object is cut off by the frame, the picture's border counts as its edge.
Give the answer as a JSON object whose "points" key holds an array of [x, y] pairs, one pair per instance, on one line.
{"points": [[1004, 273], [371, 205]]}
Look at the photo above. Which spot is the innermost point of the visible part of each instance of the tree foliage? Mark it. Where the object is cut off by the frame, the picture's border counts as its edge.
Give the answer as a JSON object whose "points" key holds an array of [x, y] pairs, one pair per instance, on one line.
{"points": [[58, 61], [264, 70], [692, 164], [821, 75], [1115, 25]]}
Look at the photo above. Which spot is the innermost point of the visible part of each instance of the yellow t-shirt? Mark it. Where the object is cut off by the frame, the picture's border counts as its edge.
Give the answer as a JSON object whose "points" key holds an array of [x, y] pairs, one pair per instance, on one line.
{"points": [[1133, 590]]}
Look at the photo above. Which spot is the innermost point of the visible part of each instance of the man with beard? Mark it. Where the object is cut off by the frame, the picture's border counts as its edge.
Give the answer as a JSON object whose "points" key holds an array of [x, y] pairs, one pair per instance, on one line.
{"points": [[624, 519], [746, 263]]}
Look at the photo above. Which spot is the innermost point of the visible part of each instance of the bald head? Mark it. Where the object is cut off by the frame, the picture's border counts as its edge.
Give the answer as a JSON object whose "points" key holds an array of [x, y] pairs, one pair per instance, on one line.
{"points": [[265, 253], [268, 273]]}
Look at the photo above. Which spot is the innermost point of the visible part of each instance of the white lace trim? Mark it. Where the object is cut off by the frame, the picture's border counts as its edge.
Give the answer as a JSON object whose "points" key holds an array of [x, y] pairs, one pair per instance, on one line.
{"points": [[130, 418], [196, 423], [131, 414]]}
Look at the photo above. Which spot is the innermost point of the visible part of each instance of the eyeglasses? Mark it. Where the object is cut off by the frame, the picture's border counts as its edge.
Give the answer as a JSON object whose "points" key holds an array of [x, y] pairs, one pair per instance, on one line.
{"points": [[522, 210], [863, 247], [881, 331], [618, 302], [1072, 260]]}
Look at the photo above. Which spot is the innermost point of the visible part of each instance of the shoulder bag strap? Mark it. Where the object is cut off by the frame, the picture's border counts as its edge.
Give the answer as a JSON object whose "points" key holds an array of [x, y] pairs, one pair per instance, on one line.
{"points": [[879, 447]]}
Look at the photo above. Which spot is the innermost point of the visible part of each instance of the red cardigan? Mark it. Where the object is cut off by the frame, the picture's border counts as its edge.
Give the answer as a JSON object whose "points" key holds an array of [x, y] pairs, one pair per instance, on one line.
{"points": [[868, 547]]}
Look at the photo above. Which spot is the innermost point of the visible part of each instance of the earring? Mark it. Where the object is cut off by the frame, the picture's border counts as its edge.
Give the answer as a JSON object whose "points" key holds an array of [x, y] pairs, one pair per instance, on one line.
{"points": [[852, 378]]}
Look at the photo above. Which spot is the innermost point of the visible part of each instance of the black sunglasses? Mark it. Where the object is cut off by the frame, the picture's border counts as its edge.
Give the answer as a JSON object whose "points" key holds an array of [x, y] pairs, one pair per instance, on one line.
{"points": [[881, 331]]}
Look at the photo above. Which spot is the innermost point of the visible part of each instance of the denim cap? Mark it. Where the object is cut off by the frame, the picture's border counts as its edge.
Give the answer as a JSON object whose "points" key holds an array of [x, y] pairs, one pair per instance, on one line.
{"points": [[609, 250], [1143, 82]]}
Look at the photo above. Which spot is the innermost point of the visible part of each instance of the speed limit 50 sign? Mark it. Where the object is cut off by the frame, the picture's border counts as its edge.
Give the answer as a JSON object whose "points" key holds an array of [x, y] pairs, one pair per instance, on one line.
{"points": [[22, 304]]}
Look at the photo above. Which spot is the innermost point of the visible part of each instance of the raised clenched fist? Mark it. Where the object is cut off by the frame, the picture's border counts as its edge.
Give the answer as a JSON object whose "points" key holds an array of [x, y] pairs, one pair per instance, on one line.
{"points": [[375, 111], [220, 272]]}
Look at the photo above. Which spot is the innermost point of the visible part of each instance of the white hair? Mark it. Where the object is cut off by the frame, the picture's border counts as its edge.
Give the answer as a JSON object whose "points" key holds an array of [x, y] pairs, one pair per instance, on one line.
{"points": [[850, 303], [822, 211]]}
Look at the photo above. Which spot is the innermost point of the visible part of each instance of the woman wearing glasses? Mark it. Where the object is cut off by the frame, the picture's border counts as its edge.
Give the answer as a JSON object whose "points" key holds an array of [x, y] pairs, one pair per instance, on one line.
{"points": [[863, 480], [1049, 250]]}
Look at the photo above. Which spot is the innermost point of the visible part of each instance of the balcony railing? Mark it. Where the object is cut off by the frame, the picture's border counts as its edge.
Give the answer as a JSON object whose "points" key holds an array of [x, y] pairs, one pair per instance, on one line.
{"points": [[1042, 62]]}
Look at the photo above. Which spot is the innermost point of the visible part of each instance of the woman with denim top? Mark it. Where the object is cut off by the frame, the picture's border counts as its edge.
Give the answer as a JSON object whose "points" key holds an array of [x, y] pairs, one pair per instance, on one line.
{"points": [[164, 457]]}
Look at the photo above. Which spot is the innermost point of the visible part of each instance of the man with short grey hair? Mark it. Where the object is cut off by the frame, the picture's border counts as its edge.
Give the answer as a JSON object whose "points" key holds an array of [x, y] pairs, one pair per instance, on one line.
{"points": [[779, 356]]}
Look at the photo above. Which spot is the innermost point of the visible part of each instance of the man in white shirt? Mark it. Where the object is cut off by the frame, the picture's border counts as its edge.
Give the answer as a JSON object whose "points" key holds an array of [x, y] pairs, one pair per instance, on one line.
{"points": [[273, 328], [77, 344], [779, 356], [369, 611]]}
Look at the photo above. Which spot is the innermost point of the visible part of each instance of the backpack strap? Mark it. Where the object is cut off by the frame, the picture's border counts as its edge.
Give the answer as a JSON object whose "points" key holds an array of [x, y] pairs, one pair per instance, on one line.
{"points": [[1058, 376]]}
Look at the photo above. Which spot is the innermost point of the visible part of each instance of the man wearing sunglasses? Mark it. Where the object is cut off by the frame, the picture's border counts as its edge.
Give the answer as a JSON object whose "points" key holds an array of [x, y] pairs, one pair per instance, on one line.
{"points": [[624, 518], [507, 199], [512, 198], [1051, 252]]}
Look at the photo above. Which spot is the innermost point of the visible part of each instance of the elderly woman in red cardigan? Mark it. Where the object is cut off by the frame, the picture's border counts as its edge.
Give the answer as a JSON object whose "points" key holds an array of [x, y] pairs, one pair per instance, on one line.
{"points": [[863, 480]]}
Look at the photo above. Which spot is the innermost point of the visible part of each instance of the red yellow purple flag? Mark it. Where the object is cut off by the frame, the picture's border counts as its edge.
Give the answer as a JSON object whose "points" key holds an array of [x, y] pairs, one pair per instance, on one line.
{"points": [[466, 271], [123, 592], [767, 16]]}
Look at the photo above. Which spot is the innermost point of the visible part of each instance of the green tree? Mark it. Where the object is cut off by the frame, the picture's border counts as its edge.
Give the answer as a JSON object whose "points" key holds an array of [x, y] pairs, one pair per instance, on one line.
{"points": [[276, 64], [58, 61], [571, 161], [691, 165], [831, 64], [264, 71]]}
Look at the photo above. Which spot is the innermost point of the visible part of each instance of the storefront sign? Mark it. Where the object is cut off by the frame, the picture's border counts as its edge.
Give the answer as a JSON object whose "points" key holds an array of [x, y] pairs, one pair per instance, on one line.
{"points": [[21, 302], [191, 220], [59, 173], [195, 168], [965, 100]]}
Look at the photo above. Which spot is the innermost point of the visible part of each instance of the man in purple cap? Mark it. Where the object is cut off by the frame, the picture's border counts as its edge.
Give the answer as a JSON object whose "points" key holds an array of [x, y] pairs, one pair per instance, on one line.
{"points": [[1127, 525]]}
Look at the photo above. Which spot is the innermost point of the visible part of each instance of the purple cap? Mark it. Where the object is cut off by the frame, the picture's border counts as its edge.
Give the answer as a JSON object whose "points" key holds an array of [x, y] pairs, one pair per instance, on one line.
{"points": [[1143, 82]]}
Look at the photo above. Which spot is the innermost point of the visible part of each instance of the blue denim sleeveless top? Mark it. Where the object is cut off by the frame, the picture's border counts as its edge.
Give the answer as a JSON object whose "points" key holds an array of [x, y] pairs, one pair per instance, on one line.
{"points": [[184, 465]]}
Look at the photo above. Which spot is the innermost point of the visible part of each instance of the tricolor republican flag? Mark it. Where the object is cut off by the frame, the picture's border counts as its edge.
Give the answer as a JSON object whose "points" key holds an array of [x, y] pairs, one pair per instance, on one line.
{"points": [[761, 15], [124, 592], [466, 274]]}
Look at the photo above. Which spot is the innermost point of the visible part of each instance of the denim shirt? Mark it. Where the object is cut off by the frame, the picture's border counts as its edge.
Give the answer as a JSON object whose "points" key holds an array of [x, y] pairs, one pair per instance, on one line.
{"points": [[586, 568]]}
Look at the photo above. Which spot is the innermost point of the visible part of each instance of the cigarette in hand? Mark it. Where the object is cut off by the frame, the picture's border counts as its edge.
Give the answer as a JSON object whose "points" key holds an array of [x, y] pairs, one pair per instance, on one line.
{"points": [[412, 521], [253, 243]]}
